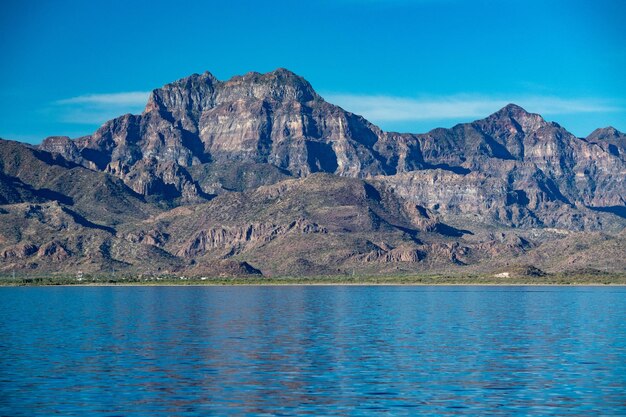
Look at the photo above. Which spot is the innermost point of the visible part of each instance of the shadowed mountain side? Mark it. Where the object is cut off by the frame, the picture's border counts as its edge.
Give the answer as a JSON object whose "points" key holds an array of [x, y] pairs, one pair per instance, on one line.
{"points": [[99, 197]]}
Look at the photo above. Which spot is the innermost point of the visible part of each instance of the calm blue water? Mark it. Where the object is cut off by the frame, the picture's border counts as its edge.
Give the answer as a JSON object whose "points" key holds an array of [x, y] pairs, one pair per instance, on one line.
{"points": [[337, 350]]}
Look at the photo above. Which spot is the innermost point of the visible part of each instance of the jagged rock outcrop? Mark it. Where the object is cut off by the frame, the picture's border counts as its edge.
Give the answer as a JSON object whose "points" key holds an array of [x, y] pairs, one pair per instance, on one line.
{"points": [[151, 237], [236, 239], [392, 255], [20, 251], [54, 250], [223, 268]]}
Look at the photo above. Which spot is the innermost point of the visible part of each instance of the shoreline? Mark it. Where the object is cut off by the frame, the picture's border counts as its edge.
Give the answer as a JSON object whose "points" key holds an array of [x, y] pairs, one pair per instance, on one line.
{"points": [[555, 279], [614, 281], [329, 285], [477, 285]]}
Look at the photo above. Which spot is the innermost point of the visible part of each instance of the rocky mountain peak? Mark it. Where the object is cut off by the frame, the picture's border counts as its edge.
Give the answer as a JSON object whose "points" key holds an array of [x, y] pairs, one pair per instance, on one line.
{"points": [[606, 133], [515, 112], [610, 139], [518, 116], [189, 94], [278, 85], [61, 145]]}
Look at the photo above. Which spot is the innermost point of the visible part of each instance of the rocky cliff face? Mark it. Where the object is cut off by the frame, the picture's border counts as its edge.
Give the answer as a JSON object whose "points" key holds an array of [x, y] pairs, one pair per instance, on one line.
{"points": [[261, 169], [527, 151], [516, 169], [275, 118]]}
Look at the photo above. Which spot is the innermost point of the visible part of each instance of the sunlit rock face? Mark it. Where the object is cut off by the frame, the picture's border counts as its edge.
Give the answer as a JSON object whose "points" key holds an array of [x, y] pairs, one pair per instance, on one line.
{"points": [[274, 118]]}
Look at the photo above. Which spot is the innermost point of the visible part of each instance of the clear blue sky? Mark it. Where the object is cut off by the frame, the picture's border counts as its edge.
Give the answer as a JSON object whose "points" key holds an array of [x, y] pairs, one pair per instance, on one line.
{"points": [[406, 65]]}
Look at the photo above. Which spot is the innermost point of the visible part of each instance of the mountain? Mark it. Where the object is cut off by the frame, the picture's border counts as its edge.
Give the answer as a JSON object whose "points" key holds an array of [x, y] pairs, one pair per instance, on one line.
{"points": [[609, 139], [516, 169], [275, 118], [259, 174]]}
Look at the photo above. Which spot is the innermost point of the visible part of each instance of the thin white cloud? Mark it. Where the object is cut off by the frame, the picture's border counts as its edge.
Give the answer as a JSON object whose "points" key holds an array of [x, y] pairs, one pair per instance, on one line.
{"points": [[402, 109], [96, 109], [132, 98]]}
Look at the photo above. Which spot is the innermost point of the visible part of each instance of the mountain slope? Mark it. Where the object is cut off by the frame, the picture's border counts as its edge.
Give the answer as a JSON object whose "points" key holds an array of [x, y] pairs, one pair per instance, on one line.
{"points": [[516, 169], [45, 176]]}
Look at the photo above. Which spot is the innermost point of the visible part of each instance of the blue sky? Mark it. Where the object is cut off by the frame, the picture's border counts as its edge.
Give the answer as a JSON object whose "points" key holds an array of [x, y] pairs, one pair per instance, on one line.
{"points": [[68, 66]]}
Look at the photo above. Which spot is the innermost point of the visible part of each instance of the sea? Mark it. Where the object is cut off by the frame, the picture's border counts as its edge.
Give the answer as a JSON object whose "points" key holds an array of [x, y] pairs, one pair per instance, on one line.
{"points": [[312, 350]]}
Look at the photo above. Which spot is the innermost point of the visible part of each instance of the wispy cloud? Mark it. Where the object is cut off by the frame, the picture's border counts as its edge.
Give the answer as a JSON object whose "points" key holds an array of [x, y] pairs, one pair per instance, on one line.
{"points": [[98, 108], [133, 98], [402, 109]]}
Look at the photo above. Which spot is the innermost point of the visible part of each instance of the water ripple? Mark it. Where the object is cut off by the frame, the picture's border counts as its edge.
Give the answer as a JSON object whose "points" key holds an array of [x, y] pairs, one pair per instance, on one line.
{"points": [[341, 351]]}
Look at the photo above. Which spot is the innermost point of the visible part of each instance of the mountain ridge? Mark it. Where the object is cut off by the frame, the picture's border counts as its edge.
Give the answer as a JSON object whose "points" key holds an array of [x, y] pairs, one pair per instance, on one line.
{"points": [[477, 195]]}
